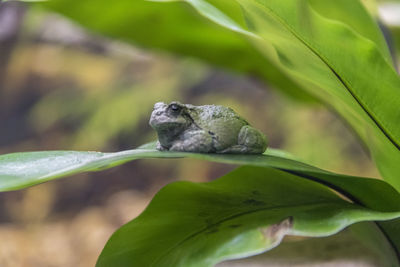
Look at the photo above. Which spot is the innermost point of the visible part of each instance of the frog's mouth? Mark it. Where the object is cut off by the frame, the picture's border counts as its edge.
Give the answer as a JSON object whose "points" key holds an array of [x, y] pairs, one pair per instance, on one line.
{"points": [[167, 125], [163, 122]]}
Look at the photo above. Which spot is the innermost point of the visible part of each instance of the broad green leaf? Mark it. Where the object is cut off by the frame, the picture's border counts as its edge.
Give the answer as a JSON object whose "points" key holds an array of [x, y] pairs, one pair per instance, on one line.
{"points": [[177, 29], [241, 214], [335, 60], [352, 14], [20, 170]]}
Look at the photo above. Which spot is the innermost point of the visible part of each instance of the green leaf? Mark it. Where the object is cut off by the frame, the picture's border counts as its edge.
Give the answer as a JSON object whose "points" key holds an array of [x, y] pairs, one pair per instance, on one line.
{"points": [[20, 170], [352, 14], [335, 59], [243, 213]]}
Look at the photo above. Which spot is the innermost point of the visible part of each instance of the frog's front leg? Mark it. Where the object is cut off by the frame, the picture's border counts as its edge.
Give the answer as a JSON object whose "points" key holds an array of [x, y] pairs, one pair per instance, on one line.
{"points": [[194, 141], [250, 141]]}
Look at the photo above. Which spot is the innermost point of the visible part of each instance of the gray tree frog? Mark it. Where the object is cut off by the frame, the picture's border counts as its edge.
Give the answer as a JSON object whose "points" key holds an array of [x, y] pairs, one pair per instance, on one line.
{"points": [[204, 129]]}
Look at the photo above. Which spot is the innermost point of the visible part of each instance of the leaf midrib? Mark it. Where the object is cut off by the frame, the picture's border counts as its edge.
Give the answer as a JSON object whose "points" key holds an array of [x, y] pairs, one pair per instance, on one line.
{"points": [[234, 217]]}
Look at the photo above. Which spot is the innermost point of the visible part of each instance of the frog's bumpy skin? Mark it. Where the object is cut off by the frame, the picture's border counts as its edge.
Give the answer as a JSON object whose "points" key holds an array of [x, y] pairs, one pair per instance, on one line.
{"points": [[204, 129]]}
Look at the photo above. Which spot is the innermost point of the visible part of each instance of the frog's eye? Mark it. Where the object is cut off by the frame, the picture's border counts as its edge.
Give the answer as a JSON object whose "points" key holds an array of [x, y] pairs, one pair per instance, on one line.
{"points": [[175, 107]]}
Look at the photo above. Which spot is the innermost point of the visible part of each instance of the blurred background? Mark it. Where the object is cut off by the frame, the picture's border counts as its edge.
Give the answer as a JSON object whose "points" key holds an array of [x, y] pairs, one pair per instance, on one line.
{"points": [[65, 88]]}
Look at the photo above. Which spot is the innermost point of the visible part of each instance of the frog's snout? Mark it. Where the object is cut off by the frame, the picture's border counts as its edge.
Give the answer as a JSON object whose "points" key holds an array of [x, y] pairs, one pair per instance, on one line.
{"points": [[153, 120], [159, 105]]}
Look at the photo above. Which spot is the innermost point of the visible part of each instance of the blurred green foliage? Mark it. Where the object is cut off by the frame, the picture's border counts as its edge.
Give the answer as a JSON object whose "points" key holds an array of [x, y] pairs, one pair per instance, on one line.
{"points": [[176, 28]]}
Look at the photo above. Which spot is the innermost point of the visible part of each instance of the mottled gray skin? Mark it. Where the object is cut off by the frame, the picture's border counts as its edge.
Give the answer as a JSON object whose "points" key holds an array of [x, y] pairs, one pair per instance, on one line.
{"points": [[204, 129]]}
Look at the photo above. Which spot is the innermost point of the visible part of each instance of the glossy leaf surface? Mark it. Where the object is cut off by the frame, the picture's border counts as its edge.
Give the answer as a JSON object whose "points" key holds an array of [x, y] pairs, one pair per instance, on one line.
{"points": [[243, 213], [20, 170]]}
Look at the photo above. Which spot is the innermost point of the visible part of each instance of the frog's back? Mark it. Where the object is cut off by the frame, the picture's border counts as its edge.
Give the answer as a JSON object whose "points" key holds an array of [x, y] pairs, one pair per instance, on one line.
{"points": [[223, 122], [208, 113]]}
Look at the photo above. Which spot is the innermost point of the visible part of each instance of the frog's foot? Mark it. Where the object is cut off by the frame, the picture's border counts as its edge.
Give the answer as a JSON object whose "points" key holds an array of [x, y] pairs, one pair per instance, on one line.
{"points": [[237, 149], [250, 141], [183, 146], [160, 147]]}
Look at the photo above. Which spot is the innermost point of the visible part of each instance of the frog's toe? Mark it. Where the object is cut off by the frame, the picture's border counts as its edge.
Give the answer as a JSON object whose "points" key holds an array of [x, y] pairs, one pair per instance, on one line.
{"points": [[241, 149], [237, 149]]}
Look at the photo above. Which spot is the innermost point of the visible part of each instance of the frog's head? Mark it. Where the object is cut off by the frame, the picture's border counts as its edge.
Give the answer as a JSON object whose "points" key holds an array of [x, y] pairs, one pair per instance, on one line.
{"points": [[169, 119]]}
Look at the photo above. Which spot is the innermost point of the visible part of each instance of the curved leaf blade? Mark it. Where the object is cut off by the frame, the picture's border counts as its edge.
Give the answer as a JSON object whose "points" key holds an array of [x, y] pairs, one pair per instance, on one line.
{"points": [[355, 15], [20, 170], [241, 214]]}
